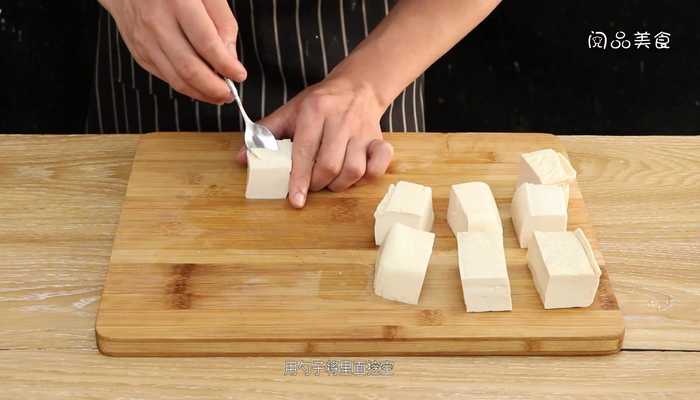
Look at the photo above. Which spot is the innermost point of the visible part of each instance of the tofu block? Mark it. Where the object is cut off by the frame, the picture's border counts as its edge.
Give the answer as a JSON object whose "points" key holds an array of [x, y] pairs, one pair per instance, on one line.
{"points": [[546, 167], [538, 208], [402, 262], [268, 172], [407, 203], [473, 208], [564, 269], [483, 271]]}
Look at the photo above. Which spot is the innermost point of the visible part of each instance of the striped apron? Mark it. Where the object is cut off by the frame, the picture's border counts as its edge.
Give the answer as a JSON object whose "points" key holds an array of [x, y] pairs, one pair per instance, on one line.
{"points": [[285, 45]]}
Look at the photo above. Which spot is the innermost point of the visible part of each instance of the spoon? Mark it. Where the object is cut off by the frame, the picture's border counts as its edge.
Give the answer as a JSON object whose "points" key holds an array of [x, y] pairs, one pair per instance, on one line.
{"points": [[256, 135]]}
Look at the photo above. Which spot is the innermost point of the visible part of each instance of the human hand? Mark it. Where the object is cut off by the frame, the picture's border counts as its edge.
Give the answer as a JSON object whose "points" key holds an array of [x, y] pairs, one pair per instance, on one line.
{"points": [[186, 43], [337, 138]]}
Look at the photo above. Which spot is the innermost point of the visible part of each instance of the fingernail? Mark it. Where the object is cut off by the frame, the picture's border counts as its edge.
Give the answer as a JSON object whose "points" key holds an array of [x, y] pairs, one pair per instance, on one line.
{"points": [[298, 199]]}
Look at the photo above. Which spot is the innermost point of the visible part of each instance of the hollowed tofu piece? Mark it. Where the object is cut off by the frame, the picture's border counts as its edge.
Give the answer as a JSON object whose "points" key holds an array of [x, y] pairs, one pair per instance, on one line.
{"points": [[472, 207], [268, 172], [408, 203], [538, 208], [402, 262], [483, 271], [564, 269], [547, 167]]}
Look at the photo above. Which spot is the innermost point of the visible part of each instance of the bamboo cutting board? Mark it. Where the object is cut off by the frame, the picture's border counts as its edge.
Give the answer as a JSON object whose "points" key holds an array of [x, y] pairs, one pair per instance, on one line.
{"points": [[196, 269]]}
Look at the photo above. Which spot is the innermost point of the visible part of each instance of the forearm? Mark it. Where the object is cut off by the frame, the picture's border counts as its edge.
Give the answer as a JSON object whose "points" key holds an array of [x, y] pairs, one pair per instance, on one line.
{"points": [[412, 37]]}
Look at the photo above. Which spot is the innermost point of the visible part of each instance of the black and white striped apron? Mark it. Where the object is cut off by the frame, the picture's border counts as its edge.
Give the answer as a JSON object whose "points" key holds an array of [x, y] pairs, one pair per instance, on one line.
{"points": [[285, 45]]}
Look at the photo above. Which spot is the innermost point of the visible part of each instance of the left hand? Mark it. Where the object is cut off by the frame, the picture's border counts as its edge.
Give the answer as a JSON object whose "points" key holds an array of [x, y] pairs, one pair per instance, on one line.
{"points": [[337, 137]]}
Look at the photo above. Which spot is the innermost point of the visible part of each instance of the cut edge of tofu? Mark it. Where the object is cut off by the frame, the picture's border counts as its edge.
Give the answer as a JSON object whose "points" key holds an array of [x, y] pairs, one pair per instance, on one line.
{"points": [[377, 271], [530, 174], [454, 213], [567, 167], [532, 202], [395, 218], [426, 218], [268, 194], [539, 278], [494, 239], [423, 262], [502, 290], [260, 155], [520, 207], [257, 164], [589, 251], [430, 216], [456, 207], [425, 192], [381, 207], [542, 277]]}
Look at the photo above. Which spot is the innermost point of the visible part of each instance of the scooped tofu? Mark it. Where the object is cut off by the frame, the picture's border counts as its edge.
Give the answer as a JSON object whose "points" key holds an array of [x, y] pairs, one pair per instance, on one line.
{"points": [[268, 172], [407, 203], [402, 262], [547, 167], [483, 271], [538, 208], [472, 207], [564, 269]]}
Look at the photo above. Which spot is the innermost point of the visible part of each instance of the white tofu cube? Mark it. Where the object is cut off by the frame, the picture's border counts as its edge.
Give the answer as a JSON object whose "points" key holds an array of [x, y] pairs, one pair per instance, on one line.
{"points": [[472, 208], [402, 262], [268, 172], [538, 208], [483, 271], [407, 203], [546, 167], [564, 269]]}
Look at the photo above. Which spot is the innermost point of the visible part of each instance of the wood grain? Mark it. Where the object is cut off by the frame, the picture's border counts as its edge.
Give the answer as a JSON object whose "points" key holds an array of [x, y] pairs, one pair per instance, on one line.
{"points": [[294, 302], [60, 198], [86, 375], [49, 285], [643, 195]]}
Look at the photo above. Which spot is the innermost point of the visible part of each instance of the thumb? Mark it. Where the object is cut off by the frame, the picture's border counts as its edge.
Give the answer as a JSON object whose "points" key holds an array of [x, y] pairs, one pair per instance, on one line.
{"points": [[279, 122]]}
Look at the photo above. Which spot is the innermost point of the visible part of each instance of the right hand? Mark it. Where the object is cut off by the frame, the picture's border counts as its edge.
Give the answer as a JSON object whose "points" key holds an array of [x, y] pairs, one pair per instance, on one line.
{"points": [[187, 43], [337, 137]]}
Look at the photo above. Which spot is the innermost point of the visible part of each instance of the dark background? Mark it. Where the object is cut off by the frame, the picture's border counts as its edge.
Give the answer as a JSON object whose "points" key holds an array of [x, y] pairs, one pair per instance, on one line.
{"points": [[526, 68]]}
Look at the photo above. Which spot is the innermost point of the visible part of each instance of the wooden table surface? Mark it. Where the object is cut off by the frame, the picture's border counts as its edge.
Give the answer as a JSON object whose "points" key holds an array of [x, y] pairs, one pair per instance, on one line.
{"points": [[59, 203]]}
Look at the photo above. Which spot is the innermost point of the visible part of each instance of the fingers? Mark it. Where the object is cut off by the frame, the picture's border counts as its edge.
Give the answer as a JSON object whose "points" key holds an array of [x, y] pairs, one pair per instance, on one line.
{"points": [[199, 27], [147, 64], [354, 166], [379, 155], [138, 46], [226, 25], [193, 75], [307, 137], [331, 153], [160, 66]]}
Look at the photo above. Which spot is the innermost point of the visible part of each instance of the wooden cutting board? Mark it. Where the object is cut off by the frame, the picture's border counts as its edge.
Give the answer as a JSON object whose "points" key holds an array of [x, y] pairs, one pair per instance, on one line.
{"points": [[197, 269]]}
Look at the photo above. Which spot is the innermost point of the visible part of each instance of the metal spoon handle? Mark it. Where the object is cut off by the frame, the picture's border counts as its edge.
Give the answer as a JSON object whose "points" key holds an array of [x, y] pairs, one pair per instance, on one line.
{"points": [[237, 99]]}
